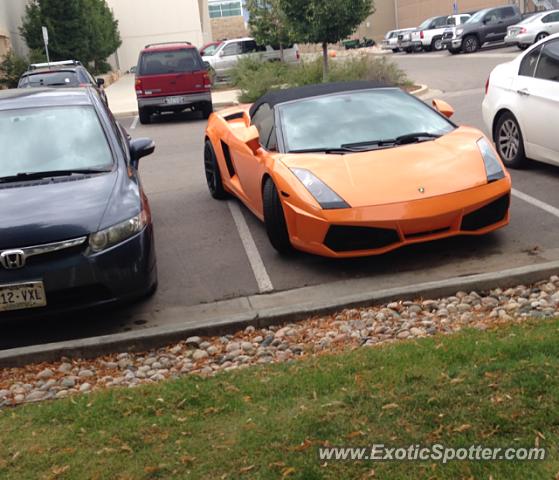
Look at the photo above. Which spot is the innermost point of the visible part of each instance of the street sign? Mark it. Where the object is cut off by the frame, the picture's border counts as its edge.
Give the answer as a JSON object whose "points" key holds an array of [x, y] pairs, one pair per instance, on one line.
{"points": [[46, 40]]}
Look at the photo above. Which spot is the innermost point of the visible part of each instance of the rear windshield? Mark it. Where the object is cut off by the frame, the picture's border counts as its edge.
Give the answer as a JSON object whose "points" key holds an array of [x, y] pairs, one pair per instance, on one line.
{"points": [[54, 138], [50, 79], [171, 61]]}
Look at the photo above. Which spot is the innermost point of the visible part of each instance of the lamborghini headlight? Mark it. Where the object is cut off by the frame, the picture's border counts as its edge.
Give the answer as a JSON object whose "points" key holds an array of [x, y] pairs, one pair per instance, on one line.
{"points": [[116, 234], [493, 167], [323, 194]]}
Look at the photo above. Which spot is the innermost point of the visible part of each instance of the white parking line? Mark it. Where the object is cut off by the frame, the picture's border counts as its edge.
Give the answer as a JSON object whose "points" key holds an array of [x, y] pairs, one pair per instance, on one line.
{"points": [[256, 263], [537, 203], [135, 122]]}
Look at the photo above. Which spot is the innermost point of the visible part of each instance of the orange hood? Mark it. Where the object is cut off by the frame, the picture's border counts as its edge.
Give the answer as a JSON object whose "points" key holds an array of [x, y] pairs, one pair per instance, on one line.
{"points": [[449, 164]]}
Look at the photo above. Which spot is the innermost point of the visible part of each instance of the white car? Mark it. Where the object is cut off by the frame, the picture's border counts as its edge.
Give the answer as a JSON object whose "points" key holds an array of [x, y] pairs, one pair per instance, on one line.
{"points": [[533, 29], [521, 105], [225, 56]]}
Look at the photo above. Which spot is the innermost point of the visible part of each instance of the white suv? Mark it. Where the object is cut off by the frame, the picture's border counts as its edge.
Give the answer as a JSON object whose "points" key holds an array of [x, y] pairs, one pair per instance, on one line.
{"points": [[520, 105], [226, 56]]}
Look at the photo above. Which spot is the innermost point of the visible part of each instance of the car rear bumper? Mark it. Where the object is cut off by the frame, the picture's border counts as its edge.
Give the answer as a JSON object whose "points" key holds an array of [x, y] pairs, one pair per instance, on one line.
{"points": [[164, 102], [521, 38], [375, 230], [74, 280]]}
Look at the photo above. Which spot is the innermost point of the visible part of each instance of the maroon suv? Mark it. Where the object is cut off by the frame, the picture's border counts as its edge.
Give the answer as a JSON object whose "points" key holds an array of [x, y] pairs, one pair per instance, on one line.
{"points": [[171, 77]]}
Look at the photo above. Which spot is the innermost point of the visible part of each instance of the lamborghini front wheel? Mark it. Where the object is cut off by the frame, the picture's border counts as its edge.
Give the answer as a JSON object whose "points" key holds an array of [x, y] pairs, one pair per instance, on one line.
{"points": [[274, 218], [213, 175]]}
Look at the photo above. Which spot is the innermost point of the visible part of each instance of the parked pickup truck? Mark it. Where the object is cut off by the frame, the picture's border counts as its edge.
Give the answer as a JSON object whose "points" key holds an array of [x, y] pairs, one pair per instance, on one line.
{"points": [[390, 41], [428, 36], [486, 26]]}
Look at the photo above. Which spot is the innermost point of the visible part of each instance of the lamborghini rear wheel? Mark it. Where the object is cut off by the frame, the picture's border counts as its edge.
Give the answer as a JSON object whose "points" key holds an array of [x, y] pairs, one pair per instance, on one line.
{"points": [[274, 218], [213, 175]]}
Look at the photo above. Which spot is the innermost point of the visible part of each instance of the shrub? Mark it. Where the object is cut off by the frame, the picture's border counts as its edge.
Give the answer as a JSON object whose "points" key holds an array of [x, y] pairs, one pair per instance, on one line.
{"points": [[255, 77], [11, 68]]}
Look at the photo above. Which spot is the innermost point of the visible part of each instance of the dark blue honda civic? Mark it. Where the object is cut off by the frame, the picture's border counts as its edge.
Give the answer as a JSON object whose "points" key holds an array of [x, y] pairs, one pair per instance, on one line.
{"points": [[75, 223]]}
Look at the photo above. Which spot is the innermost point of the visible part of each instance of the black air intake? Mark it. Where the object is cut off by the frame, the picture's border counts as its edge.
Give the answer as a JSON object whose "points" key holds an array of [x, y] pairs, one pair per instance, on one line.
{"points": [[347, 238], [491, 213]]}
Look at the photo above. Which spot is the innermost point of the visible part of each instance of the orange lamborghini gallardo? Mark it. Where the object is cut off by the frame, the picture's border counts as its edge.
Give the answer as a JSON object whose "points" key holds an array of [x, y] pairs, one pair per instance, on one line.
{"points": [[355, 169]]}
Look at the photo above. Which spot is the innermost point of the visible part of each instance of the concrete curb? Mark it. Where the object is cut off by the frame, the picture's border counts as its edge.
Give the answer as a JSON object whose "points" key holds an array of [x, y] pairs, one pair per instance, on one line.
{"points": [[141, 340], [422, 90]]}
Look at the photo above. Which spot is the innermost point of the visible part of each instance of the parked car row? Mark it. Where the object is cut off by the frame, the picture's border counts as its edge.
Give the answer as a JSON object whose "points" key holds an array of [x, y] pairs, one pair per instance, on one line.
{"points": [[468, 33]]}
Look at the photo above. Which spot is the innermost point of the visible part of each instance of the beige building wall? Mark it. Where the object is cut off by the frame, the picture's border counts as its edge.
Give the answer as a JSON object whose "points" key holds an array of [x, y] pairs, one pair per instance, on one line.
{"points": [[228, 27], [11, 13], [412, 12], [152, 21], [380, 22]]}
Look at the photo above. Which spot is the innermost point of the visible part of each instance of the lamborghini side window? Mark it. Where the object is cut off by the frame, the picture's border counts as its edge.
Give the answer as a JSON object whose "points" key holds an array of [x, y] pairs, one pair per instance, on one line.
{"points": [[263, 120]]}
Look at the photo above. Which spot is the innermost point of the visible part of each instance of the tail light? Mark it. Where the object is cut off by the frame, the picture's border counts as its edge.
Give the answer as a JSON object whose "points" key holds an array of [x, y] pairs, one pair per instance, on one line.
{"points": [[487, 85], [139, 87], [522, 30], [207, 80], [421, 35]]}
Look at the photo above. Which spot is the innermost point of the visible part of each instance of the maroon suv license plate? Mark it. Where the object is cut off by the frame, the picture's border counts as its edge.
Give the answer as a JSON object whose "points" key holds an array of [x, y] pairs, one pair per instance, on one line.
{"points": [[174, 100]]}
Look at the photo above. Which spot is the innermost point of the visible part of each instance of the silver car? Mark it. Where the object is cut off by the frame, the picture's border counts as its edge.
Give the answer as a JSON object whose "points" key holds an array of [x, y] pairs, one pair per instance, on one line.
{"points": [[533, 29]]}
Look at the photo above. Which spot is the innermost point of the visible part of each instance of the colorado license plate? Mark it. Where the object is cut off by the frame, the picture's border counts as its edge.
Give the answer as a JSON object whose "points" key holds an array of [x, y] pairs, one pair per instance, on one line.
{"points": [[22, 295], [174, 100]]}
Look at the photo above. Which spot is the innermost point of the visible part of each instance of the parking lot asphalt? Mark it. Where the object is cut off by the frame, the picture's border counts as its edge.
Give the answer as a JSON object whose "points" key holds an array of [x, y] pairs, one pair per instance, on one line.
{"points": [[202, 243]]}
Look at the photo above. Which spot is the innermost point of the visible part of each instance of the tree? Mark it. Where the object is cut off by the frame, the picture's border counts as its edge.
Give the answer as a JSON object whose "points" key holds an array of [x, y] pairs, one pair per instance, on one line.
{"points": [[268, 24], [103, 31], [325, 21], [11, 68], [84, 30]]}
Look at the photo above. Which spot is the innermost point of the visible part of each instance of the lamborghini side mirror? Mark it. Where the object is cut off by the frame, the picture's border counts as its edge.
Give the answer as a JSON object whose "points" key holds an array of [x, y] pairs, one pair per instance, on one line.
{"points": [[442, 107]]}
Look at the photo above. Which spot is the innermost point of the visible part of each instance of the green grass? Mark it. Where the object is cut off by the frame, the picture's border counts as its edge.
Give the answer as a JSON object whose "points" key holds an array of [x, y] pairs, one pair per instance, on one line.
{"points": [[498, 388]]}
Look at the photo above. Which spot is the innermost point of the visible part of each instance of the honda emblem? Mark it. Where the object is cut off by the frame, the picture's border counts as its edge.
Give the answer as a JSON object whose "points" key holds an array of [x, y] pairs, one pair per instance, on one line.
{"points": [[12, 259]]}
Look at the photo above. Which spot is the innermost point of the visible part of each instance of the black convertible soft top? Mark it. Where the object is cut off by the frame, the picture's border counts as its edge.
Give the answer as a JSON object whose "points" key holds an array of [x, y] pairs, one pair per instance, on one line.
{"points": [[277, 97]]}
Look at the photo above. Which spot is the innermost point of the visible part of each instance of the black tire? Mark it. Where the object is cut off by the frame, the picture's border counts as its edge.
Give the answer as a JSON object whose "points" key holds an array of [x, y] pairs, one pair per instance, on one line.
{"points": [[145, 116], [522, 47], [427, 49], [509, 141], [541, 36], [274, 218], [207, 109], [453, 51], [395, 50], [408, 50], [417, 49], [470, 44], [437, 44], [213, 175]]}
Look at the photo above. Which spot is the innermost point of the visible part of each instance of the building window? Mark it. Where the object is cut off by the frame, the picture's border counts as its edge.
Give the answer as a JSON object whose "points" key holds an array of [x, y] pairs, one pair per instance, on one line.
{"points": [[226, 9]]}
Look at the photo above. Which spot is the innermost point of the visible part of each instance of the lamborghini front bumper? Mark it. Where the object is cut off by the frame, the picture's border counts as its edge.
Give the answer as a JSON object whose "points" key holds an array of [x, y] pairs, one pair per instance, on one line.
{"points": [[375, 230]]}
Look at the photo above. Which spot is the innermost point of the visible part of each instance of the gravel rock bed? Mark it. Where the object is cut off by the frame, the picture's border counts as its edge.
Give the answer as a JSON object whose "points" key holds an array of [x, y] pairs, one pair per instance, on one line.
{"points": [[351, 328]]}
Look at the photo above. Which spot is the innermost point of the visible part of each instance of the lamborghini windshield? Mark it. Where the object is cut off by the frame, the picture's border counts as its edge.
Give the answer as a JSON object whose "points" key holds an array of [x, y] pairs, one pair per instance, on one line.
{"points": [[358, 120]]}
